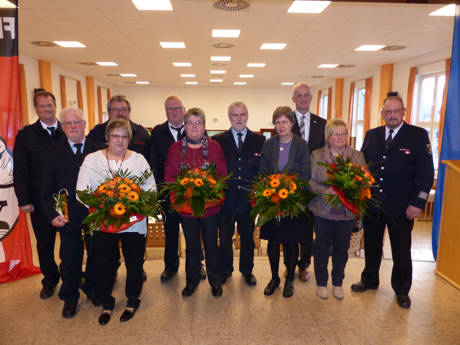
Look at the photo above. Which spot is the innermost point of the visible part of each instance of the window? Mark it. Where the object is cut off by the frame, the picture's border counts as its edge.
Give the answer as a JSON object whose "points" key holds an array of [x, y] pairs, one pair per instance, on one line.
{"points": [[357, 126], [323, 104], [427, 105]]}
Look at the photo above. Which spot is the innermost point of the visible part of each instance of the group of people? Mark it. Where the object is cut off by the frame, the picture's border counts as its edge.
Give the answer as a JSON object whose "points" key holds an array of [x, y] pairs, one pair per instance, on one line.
{"points": [[52, 155]]}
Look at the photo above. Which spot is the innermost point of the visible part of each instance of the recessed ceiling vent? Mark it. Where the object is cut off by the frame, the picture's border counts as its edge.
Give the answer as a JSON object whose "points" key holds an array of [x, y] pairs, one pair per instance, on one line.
{"points": [[87, 63], [231, 5], [393, 48], [346, 66], [112, 75], [218, 64], [317, 76], [45, 44], [223, 45]]}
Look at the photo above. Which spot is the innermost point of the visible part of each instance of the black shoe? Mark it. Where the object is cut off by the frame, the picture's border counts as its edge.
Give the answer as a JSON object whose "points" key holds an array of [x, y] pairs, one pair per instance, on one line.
{"points": [[144, 276], [47, 292], [361, 287], [188, 291], [224, 278], [404, 301], [202, 273], [288, 290], [94, 300], [250, 279], [216, 290], [167, 275], [104, 318], [127, 315], [271, 287], [69, 310]]}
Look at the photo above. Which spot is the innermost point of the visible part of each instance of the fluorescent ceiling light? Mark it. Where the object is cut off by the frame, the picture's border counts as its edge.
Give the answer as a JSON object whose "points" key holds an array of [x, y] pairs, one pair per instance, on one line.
{"points": [[287, 83], [256, 64], [448, 10], [182, 64], [308, 6], [221, 58], [246, 75], [142, 82], [153, 5], [128, 75], [172, 44], [188, 75], [273, 46], [70, 44], [215, 80], [328, 65], [191, 82], [239, 83], [226, 33], [106, 63], [369, 47], [7, 4], [218, 71]]}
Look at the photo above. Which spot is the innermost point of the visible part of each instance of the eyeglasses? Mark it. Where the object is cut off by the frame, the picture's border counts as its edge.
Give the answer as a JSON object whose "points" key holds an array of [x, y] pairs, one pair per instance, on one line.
{"points": [[70, 123], [238, 115], [390, 112], [194, 123], [118, 136], [118, 110], [174, 108], [339, 135]]}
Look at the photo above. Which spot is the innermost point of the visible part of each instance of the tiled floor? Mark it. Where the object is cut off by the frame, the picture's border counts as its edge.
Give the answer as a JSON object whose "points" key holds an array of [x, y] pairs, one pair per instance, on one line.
{"points": [[243, 315]]}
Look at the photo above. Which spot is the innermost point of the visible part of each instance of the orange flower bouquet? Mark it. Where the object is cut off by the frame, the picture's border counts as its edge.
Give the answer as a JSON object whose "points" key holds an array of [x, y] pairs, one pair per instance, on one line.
{"points": [[352, 185], [196, 190], [119, 202], [278, 195]]}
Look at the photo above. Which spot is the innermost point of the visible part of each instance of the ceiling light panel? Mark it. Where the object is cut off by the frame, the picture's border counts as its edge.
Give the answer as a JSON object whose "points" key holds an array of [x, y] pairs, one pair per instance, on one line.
{"points": [[308, 6], [273, 46], [182, 64], [153, 5], [256, 64], [239, 83], [128, 75], [225, 33], [286, 83], [191, 83], [369, 47], [246, 75], [221, 58], [191, 75], [218, 71], [172, 45], [328, 65], [70, 44], [447, 11], [215, 80], [106, 63], [142, 82]]}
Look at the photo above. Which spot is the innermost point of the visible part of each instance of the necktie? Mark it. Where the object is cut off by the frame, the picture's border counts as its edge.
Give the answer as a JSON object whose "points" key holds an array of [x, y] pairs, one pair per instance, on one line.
{"points": [[51, 129], [390, 138], [180, 135], [302, 127], [240, 142], [78, 154]]}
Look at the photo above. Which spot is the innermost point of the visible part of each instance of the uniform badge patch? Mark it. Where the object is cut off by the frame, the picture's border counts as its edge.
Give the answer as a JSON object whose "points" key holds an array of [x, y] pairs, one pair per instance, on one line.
{"points": [[423, 195], [428, 148]]}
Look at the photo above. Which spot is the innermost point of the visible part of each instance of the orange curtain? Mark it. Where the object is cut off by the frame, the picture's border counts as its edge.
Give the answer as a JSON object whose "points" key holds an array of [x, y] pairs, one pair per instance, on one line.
{"points": [[367, 104], [329, 103], [318, 102], [443, 107], [338, 97], [410, 93], [350, 106]]}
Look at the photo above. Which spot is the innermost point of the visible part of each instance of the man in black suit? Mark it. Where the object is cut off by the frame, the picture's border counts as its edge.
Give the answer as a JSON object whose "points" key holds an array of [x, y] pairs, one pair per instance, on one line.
{"points": [[119, 107], [399, 156], [311, 128], [242, 149], [60, 172], [162, 137], [30, 149]]}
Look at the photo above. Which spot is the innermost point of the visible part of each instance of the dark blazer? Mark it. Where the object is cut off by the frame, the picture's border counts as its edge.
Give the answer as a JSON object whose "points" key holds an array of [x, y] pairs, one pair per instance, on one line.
{"points": [[244, 166], [299, 157], [403, 171], [61, 171], [29, 153], [139, 142], [316, 138]]}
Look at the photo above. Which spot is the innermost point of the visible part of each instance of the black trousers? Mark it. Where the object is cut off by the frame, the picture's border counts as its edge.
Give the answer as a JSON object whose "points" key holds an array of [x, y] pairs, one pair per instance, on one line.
{"points": [[71, 254], [106, 249], [226, 232], [335, 234], [290, 253], [171, 227], [45, 235], [194, 230], [306, 245], [90, 270], [399, 231]]}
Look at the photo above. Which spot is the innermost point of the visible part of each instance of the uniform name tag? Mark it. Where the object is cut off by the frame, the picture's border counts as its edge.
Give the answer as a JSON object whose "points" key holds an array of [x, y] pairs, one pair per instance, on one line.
{"points": [[406, 151]]}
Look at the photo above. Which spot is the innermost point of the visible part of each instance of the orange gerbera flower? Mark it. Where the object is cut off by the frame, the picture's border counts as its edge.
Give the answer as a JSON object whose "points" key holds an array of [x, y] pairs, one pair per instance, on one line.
{"points": [[127, 180], [292, 186], [266, 193], [122, 195], [358, 178], [117, 179], [184, 181], [111, 184], [192, 179], [211, 180], [133, 196], [123, 187], [283, 193], [275, 198], [275, 182], [198, 182], [188, 193], [135, 187], [119, 209], [110, 193], [102, 188]]}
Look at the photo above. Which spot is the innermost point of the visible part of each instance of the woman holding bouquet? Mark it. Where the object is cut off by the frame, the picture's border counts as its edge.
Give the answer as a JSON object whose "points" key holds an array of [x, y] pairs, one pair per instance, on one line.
{"points": [[96, 168], [197, 151], [285, 152], [333, 226]]}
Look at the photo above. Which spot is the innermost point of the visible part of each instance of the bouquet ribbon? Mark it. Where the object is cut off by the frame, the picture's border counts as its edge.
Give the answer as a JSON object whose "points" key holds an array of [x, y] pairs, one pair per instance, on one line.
{"points": [[187, 209], [342, 196]]}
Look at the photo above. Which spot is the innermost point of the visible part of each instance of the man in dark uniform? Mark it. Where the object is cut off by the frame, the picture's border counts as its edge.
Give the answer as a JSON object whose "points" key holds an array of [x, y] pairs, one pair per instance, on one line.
{"points": [[61, 172], [242, 152], [311, 128], [119, 107], [162, 137], [30, 149], [399, 156]]}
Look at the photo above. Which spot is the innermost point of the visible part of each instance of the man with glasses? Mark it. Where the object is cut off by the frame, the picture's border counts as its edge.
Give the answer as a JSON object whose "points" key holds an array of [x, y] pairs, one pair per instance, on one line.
{"points": [[60, 173], [162, 137], [242, 152], [399, 156], [30, 150]]}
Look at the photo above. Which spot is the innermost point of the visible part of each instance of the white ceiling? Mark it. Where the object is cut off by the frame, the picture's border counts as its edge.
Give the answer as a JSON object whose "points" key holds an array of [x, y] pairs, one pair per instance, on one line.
{"points": [[114, 30]]}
